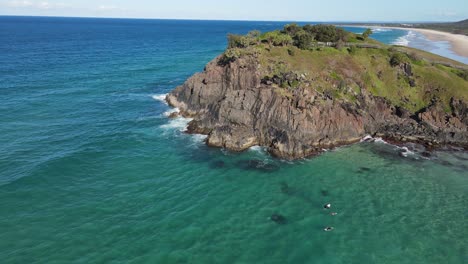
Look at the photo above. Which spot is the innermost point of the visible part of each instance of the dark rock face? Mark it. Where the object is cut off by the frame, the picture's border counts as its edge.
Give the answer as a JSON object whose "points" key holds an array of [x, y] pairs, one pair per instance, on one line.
{"points": [[237, 109]]}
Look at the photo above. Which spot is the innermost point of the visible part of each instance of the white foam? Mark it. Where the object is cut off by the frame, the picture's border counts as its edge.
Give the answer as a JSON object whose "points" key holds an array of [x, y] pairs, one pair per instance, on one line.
{"points": [[406, 151], [380, 140], [376, 30], [198, 138], [160, 97], [179, 123], [169, 112], [256, 149], [369, 138], [406, 39]]}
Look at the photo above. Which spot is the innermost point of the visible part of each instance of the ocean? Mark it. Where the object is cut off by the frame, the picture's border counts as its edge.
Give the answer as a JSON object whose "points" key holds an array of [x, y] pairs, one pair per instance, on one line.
{"points": [[92, 170]]}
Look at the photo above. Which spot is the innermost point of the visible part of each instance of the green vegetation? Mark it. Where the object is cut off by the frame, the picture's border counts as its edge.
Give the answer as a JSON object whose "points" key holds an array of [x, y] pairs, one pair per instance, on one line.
{"points": [[342, 65], [305, 37], [398, 58], [367, 33]]}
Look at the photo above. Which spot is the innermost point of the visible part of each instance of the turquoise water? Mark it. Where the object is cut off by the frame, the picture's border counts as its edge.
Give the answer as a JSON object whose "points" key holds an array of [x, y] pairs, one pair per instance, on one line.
{"points": [[91, 170]]}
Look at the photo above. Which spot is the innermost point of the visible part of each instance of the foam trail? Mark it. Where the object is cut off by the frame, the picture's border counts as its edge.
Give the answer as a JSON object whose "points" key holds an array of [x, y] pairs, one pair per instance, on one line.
{"points": [[160, 97]]}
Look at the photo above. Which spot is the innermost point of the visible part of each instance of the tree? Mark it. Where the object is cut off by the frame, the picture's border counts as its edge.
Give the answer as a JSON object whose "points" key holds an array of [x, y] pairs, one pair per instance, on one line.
{"points": [[341, 34], [325, 33], [303, 40], [291, 29], [254, 34], [367, 33]]}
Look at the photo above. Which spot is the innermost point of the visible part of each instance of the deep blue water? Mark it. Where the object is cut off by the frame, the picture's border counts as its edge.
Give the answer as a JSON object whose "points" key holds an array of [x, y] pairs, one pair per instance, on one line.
{"points": [[92, 171]]}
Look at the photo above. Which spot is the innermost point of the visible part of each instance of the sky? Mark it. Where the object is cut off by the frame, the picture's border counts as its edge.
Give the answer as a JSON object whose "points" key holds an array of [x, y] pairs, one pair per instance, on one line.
{"points": [[267, 10]]}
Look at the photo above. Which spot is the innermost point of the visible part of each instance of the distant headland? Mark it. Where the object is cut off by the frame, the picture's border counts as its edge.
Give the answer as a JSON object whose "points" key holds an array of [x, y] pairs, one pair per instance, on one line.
{"points": [[302, 89]]}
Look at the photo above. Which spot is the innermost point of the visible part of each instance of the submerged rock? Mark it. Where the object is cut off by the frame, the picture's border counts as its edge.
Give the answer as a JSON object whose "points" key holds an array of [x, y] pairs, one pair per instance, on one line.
{"points": [[426, 154], [286, 189], [279, 219], [259, 165], [217, 164], [363, 170]]}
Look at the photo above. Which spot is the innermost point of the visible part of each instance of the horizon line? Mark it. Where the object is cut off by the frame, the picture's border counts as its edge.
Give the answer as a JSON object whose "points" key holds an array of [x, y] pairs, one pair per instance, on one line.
{"points": [[233, 20]]}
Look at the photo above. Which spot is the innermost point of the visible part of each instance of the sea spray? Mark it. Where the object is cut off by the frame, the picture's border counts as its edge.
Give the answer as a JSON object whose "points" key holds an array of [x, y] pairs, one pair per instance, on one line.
{"points": [[179, 123], [160, 97], [172, 111]]}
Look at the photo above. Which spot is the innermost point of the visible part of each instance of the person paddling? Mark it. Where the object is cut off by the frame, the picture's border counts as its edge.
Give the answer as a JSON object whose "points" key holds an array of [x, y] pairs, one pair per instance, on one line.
{"points": [[327, 206]]}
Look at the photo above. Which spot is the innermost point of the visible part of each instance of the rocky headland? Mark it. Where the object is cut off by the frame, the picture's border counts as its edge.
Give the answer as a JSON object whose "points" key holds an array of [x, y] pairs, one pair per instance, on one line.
{"points": [[298, 99]]}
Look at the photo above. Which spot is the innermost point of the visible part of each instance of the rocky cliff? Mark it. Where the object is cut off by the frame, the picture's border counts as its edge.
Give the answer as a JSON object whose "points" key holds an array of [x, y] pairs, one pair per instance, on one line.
{"points": [[237, 106]]}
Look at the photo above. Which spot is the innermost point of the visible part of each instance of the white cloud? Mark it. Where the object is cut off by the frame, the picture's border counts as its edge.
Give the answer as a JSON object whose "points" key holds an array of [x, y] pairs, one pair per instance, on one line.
{"points": [[19, 4], [109, 8], [35, 4]]}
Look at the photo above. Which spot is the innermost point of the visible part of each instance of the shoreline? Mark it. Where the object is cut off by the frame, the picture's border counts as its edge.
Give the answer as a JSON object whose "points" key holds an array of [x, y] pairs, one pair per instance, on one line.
{"points": [[458, 43]]}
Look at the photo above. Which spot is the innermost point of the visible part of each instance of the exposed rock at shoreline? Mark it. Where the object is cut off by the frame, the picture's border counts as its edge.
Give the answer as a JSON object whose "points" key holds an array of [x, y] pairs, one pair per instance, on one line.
{"points": [[298, 102], [231, 105]]}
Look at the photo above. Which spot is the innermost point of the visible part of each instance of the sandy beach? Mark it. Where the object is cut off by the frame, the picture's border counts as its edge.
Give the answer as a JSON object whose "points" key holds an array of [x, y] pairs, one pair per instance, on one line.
{"points": [[458, 43]]}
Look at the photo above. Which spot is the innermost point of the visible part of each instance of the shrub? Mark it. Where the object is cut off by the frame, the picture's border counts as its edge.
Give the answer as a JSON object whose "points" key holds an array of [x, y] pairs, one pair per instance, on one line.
{"points": [[398, 59], [352, 49], [254, 34], [230, 55], [276, 38], [367, 33], [238, 41], [463, 74], [291, 52]]}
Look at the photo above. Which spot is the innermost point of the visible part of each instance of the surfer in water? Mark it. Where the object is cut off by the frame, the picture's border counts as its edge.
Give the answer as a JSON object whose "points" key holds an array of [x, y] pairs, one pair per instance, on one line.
{"points": [[327, 206], [328, 229]]}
